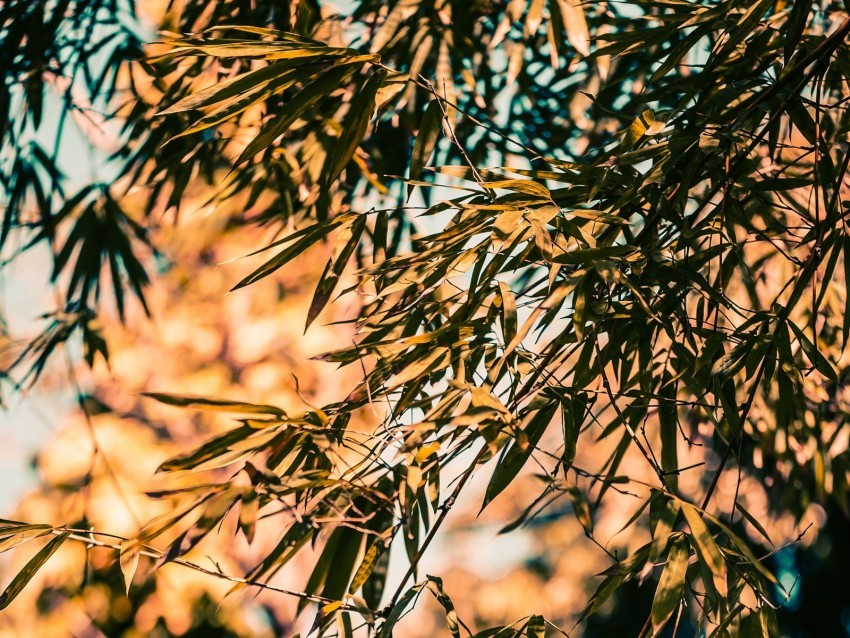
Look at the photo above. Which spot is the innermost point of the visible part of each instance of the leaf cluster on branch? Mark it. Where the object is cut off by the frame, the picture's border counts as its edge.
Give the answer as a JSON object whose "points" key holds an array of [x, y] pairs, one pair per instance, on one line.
{"points": [[602, 240]]}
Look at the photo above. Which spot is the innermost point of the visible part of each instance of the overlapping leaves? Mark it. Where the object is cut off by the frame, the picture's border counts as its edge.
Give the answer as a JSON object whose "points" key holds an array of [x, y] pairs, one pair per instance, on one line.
{"points": [[623, 298]]}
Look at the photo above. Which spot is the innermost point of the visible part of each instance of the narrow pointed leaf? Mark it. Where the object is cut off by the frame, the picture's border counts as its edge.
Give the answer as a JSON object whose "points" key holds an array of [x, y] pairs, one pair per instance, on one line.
{"points": [[23, 577], [668, 595]]}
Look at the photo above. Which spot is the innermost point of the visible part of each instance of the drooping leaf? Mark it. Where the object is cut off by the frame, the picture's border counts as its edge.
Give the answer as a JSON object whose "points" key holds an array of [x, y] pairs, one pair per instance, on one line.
{"points": [[426, 141], [353, 128], [23, 577], [669, 593], [517, 453], [706, 547], [435, 585], [128, 558]]}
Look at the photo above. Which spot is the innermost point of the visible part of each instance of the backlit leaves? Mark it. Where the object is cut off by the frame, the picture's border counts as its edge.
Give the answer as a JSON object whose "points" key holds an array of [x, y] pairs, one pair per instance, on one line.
{"points": [[216, 405], [635, 235], [517, 453], [128, 558], [28, 571], [426, 140], [668, 596], [707, 550]]}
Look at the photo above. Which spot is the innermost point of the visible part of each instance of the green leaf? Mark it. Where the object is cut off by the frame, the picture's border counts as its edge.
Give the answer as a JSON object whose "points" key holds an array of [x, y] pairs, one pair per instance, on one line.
{"points": [[216, 508], [297, 107], [525, 186], [515, 455], [435, 585], [353, 128], [307, 237], [18, 534], [572, 415], [398, 609], [509, 313], [346, 245], [663, 513], [590, 255], [241, 102], [246, 83], [668, 595], [373, 588], [212, 449], [668, 420], [606, 589], [814, 354], [536, 627], [744, 550], [345, 628], [426, 141], [638, 129], [752, 520], [707, 549], [581, 509], [248, 510], [751, 626], [333, 571], [287, 547], [845, 257]]}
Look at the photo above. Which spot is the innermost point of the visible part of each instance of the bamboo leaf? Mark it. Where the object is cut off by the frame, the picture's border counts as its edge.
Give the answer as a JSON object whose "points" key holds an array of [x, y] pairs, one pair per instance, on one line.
{"points": [[668, 595], [707, 549], [516, 455], [23, 577], [346, 245], [296, 108], [426, 141], [752, 520], [536, 627], [435, 585], [367, 566], [19, 534], [212, 449], [353, 128], [128, 558], [214, 405], [397, 610], [249, 508]]}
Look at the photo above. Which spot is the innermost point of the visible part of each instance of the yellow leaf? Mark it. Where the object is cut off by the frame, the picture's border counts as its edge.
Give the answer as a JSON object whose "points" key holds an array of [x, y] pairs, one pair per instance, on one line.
{"points": [[576, 25], [129, 560], [707, 549]]}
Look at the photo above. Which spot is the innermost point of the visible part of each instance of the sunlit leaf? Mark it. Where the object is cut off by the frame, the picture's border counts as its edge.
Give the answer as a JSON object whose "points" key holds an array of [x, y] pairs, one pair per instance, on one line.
{"points": [[23, 577], [669, 593]]}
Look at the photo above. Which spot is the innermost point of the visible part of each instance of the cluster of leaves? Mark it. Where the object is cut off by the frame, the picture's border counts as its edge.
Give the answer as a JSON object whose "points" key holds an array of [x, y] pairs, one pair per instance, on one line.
{"points": [[93, 473], [83, 62], [667, 222]]}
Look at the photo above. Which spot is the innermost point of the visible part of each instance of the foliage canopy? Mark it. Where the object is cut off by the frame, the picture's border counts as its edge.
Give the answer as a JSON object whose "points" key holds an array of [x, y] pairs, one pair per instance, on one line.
{"points": [[611, 226]]}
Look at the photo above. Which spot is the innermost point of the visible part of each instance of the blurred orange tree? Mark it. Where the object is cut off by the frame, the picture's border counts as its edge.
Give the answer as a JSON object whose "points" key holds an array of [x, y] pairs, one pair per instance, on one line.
{"points": [[96, 470], [620, 269]]}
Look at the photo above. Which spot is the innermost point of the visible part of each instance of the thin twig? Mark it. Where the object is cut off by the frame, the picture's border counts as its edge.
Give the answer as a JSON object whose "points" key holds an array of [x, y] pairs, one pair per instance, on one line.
{"points": [[88, 537], [444, 512]]}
